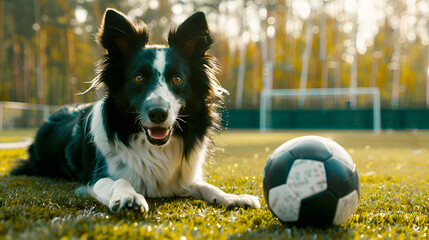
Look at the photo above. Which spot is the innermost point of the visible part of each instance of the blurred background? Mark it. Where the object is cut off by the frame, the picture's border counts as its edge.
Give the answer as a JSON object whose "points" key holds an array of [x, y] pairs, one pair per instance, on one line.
{"points": [[47, 55]]}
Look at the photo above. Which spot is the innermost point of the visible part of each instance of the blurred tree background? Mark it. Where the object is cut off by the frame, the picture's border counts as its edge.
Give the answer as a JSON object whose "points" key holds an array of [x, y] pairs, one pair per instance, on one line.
{"points": [[47, 48]]}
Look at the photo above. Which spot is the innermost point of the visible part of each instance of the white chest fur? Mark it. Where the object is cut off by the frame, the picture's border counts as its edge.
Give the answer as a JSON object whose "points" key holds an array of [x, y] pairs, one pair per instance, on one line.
{"points": [[152, 170]]}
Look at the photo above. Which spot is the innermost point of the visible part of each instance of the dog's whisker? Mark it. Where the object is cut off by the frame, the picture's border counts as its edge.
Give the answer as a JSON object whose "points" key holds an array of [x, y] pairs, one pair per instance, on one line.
{"points": [[134, 112], [181, 120], [139, 121], [178, 125]]}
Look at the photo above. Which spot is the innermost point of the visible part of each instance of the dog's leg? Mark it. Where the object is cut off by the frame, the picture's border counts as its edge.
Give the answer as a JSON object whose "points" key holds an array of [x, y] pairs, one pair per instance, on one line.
{"points": [[213, 195], [118, 194]]}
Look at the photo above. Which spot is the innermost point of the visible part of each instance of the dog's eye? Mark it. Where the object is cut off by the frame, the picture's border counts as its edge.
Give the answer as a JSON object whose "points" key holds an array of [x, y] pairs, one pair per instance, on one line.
{"points": [[138, 78], [177, 80]]}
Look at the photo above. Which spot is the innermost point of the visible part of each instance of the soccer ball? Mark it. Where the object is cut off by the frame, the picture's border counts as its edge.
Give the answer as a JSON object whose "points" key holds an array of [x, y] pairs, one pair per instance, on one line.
{"points": [[311, 181]]}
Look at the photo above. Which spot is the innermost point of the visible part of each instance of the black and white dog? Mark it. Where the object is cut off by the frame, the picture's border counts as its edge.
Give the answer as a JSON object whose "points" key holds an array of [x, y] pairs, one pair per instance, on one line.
{"points": [[149, 135]]}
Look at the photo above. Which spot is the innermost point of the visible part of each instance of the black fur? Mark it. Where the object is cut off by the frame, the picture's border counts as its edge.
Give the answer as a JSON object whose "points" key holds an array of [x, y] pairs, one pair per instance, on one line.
{"points": [[64, 145]]}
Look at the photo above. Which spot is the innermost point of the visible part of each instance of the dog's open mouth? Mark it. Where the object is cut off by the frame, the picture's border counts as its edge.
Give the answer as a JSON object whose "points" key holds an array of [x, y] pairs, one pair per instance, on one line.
{"points": [[158, 135]]}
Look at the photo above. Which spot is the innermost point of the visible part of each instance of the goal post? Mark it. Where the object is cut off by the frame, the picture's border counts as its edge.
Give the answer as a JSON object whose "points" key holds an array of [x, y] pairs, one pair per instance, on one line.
{"points": [[267, 94]]}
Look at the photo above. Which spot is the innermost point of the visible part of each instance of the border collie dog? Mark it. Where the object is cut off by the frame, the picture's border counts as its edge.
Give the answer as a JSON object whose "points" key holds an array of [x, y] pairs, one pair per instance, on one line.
{"points": [[149, 135]]}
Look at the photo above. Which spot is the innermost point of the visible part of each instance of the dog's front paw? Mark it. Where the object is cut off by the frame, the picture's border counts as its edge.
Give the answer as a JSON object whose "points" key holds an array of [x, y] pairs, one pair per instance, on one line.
{"points": [[132, 201], [245, 200]]}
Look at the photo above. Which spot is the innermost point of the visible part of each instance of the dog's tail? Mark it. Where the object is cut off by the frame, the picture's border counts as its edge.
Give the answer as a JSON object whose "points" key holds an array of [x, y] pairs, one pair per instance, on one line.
{"points": [[26, 166]]}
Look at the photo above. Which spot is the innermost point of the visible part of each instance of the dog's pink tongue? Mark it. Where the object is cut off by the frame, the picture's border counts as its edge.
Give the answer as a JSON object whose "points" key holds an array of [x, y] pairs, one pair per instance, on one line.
{"points": [[158, 133]]}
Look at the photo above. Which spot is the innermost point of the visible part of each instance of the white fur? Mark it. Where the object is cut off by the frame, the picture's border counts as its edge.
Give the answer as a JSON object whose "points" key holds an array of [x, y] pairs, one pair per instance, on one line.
{"points": [[160, 61], [118, 194], [153, 171]]}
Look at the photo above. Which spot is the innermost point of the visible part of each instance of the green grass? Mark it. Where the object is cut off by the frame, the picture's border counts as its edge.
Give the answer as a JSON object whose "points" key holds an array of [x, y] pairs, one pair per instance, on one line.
{"points": [[16, 135], [394, 202]]}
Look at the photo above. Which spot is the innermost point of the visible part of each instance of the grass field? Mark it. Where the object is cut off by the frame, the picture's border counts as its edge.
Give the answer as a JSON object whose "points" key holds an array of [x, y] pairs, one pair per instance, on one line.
{"points": [[394, 201], [16, 135]]}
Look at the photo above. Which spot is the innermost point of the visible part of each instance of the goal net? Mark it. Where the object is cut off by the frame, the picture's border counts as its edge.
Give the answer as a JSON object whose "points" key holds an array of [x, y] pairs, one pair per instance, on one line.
{"points": [[310, 104]]}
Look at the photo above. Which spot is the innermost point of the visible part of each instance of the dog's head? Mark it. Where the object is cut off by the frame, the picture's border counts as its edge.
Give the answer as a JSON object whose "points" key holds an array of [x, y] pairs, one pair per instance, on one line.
{"points": [[158, 89]]}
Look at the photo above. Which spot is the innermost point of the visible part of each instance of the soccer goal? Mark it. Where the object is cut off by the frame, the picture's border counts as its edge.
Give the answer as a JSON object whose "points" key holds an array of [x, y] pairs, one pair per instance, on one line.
{"points": [[270, 99]]}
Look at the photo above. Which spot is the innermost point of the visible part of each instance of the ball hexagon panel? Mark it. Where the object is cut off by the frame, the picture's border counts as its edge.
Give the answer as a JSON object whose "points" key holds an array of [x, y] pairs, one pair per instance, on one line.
{"points": [[277, 170], [341, 180], [311, 212], [338, 152], [345, 207], [307, 177], [311, 147], [284, 203]]}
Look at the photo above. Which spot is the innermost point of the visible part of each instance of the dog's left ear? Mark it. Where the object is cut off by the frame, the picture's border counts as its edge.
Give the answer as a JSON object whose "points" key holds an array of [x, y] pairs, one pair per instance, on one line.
{"points": [[192, 37]]}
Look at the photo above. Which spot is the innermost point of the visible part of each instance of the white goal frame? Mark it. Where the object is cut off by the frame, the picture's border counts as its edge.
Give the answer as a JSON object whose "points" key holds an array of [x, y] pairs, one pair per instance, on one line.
{"points": [[268, 93]]}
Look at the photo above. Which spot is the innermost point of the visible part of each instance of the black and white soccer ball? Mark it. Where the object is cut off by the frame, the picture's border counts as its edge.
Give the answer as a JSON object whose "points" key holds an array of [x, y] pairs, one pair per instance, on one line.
{"points": [[311, 181]]}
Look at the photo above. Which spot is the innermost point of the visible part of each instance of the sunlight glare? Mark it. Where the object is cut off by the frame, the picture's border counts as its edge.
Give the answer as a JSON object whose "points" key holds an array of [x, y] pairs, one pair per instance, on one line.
{"points": [[422, 6], [271, 31], [153, 4], [80, 14], [350, 6], [303, 8], [232, 29], [177, 9], [263, 13]]}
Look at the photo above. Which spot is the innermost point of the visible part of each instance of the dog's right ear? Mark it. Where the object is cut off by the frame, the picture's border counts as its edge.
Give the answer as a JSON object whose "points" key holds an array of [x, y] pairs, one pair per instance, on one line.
{"points": [[119, 36]]}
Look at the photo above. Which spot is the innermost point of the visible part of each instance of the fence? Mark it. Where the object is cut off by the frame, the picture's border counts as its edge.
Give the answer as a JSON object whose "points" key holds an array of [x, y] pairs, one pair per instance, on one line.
{"points": [[267, 94], [329, 119], [23, 115]]}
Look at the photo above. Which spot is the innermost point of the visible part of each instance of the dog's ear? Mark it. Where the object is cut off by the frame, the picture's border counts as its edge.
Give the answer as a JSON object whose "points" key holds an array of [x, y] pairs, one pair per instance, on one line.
{"points": [[118, 35], [192, 37]]}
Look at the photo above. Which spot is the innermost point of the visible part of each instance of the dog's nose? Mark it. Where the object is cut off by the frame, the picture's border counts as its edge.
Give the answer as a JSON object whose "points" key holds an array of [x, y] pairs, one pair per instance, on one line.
{"points": [[158, 115]]}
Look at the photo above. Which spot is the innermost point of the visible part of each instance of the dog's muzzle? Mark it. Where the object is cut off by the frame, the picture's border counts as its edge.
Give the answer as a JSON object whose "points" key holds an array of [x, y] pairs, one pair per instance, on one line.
{"points": [[158, 134]]}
